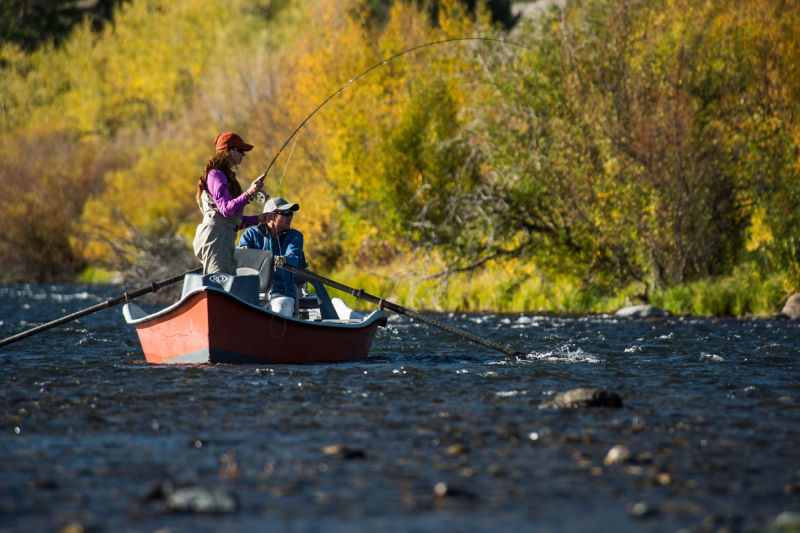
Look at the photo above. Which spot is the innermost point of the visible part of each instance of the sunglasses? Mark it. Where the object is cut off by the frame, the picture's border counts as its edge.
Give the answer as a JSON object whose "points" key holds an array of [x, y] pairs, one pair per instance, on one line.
{"points": [[238, 150], [286, 213]]}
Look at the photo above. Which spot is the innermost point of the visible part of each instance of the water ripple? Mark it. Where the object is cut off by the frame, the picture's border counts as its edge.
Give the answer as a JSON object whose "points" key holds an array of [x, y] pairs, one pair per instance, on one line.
{"points": [[430, 433]]}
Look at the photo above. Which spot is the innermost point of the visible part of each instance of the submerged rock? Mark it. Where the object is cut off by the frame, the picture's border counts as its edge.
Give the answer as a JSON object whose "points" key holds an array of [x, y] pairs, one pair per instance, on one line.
{"points": [[618, 454], [442, 490], [193, 499], [792, 307], [584, 397], [344, 452], [643, 311], [643, 510], [200, 500]]}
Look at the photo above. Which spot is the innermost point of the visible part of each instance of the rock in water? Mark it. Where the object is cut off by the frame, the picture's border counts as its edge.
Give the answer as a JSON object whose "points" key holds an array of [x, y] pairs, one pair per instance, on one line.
{"points": [[792, 307], [618, 454], [643, 311], [200, 500], [585, 397]]}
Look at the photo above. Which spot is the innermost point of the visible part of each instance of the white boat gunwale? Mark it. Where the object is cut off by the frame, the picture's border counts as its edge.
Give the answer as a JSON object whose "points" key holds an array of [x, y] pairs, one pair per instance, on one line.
{"points": [[135, 315]]}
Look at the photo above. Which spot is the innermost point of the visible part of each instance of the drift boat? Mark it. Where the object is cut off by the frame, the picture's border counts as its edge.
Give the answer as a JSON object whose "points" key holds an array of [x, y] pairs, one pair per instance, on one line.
{"points": [[221, 319]]}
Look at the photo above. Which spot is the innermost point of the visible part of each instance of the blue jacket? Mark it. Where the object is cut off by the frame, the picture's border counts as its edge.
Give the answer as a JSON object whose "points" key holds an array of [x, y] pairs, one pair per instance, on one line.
{"points": [[288, 244]]}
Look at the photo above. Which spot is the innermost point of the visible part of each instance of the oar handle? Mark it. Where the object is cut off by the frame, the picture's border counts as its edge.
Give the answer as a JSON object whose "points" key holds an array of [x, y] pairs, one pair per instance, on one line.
{"points": [[153, 287], [385, 304]]}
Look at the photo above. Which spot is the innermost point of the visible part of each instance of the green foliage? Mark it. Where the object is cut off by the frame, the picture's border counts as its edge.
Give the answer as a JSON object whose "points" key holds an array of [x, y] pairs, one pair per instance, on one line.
{"points": [[93, 274], [632, 101], [744, 292]]}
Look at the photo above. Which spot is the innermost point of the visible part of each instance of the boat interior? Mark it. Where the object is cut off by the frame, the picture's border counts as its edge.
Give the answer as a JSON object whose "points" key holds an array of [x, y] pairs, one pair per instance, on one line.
{"points": [[252, 283]]}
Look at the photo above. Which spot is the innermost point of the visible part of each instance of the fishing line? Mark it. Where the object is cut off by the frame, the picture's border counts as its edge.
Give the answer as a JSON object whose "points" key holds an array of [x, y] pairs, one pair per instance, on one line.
{"points": [[286, 166], [377, 65]]}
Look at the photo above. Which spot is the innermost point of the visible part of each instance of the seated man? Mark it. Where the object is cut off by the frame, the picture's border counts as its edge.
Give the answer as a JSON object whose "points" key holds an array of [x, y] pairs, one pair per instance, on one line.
{"points": [[286, 245]]}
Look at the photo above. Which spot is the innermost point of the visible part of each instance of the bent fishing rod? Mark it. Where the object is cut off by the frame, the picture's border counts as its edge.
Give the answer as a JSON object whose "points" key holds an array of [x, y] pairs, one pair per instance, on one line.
{"points": [[378, 65]]}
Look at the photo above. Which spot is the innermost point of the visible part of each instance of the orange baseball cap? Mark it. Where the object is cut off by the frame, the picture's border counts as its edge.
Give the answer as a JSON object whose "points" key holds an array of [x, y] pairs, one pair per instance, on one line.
{"points": [[230, 139]]}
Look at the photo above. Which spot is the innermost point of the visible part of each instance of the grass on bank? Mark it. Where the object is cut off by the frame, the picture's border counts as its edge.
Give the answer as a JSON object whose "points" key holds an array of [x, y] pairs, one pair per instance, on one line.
{"points": [[521, 288], [744, 293], [94, 274]]}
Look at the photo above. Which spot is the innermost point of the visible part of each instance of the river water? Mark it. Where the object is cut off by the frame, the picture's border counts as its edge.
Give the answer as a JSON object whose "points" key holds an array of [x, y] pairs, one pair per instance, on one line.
{"points": [[430, 433]]}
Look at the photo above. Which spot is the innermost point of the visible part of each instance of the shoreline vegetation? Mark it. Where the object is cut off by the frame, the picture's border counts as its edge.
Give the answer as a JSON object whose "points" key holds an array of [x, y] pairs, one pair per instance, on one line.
{"points": [[740, 295], [604, 154]]}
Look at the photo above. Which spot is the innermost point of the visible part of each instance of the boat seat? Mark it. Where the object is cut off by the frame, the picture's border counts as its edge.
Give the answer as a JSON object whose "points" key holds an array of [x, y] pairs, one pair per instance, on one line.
{"points": [[251, 261], [320, 301]]}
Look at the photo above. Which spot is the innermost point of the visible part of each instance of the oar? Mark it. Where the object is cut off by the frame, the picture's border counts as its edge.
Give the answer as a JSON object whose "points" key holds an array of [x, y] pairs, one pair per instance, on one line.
{"points": [[124, 297], [384, 304]]}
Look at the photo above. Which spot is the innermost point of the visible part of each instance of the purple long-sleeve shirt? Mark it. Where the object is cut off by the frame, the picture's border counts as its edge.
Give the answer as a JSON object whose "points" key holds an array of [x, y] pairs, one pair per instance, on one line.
{"points": [[228, 206]]}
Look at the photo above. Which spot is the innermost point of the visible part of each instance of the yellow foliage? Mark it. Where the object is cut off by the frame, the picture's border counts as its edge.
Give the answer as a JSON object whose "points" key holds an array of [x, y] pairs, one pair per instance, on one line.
{"points": [[758, 233], [143, 68], [150, 197]]}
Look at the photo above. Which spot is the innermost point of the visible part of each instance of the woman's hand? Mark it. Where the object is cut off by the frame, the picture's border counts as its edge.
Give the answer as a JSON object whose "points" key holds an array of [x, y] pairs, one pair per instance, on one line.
{"points": [[255, 186]]}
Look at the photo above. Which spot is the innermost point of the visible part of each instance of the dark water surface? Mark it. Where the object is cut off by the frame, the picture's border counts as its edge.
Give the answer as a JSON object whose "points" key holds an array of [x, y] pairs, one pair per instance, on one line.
{"points": [[430, 433]]}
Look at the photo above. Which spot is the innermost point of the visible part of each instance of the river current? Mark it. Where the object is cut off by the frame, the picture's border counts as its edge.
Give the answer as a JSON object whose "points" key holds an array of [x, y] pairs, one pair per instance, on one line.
{"points": [[430, 433]]}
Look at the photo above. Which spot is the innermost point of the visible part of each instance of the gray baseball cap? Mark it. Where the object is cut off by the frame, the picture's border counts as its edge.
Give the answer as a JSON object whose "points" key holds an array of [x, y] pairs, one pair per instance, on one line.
{"points": [[279, 204]]}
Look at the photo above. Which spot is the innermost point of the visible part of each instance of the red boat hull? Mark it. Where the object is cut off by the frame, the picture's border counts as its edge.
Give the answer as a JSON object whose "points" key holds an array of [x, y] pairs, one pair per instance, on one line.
{"points": [[212, 326]]}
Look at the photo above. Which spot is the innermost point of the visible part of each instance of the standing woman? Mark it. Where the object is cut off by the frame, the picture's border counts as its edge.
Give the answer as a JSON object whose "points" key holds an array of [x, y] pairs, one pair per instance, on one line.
{"points": [[222, 202]]}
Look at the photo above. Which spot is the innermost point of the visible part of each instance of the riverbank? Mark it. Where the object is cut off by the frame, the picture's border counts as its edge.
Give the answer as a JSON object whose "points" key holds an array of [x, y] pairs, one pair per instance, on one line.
{"points": [[515, 287]]}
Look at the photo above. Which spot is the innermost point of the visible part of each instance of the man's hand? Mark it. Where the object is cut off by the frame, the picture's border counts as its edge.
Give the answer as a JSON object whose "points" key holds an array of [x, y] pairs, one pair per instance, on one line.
{"points": [[280, 260]]}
